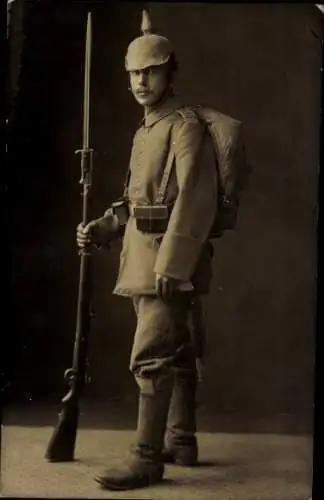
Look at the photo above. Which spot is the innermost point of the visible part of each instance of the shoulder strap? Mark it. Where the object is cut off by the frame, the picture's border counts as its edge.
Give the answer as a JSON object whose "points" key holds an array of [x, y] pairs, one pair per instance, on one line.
{"points": [[188, 114], [165, 177]]}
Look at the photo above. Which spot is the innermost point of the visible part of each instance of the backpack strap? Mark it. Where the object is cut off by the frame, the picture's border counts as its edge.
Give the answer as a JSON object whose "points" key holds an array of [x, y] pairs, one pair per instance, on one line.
{"points": [[164, 181], [188, 114], [165, 177]]}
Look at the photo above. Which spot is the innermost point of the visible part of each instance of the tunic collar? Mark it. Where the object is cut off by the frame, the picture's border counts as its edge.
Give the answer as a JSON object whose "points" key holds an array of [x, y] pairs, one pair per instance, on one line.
{"points": [[167, 106]]}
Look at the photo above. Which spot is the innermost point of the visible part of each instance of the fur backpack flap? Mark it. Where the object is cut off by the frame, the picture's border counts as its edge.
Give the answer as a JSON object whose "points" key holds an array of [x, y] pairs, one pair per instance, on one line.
{"points": [[230, 163]]}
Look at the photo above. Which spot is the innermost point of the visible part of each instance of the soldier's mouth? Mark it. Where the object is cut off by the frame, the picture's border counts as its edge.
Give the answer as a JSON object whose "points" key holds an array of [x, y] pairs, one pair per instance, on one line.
{"points": [[142, 93]]}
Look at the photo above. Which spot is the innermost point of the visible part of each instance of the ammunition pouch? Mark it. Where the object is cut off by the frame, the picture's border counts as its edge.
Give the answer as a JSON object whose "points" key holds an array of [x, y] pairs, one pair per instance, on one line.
{"points": [[151, 218]]}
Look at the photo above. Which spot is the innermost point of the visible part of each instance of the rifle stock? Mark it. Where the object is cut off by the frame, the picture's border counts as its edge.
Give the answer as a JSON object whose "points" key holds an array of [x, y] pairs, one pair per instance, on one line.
{"points": [[62, 443], [61, 447]]}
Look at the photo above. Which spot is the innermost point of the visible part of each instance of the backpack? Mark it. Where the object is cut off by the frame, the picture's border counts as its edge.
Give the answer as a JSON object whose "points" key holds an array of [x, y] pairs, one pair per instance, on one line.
{"points": [[230, 163]]}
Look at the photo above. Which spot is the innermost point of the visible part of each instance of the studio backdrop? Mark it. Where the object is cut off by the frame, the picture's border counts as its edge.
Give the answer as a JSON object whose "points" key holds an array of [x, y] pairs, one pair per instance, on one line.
{"points": [[259, 63]]}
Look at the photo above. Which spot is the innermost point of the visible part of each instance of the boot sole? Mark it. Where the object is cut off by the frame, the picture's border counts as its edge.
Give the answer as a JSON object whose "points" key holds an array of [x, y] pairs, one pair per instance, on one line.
{"points": [[115, 487]]}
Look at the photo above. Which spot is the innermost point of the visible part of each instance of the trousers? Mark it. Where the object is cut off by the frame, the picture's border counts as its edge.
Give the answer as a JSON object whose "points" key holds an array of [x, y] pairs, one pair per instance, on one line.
{"points": [[162, 342]]}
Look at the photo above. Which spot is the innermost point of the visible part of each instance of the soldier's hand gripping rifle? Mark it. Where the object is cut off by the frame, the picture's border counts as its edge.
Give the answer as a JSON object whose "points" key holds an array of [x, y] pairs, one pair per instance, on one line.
{"points": [[62, 444]]}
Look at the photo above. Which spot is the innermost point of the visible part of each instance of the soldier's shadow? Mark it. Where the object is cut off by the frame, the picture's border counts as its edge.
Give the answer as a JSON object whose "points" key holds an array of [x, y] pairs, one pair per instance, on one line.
{"points": [[208, 463], [214, 463], [96, 461]]}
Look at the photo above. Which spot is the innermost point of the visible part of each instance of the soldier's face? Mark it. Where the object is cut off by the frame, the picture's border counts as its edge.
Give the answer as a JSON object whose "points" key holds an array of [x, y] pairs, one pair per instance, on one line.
{"points": [[148, 85]]}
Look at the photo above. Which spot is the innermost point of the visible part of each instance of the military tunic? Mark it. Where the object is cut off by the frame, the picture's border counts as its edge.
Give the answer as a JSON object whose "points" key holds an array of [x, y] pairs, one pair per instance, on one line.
{"points": [[181, 252], [162, 338]]}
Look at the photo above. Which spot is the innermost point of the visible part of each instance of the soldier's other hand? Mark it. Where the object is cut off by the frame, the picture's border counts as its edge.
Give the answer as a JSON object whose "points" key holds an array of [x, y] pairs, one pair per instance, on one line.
{"points": [[166, 287], [85, 234]]}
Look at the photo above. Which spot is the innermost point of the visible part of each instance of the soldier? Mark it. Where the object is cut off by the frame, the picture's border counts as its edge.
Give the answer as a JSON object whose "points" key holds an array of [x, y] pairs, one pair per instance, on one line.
{"points": [[165, 217]]}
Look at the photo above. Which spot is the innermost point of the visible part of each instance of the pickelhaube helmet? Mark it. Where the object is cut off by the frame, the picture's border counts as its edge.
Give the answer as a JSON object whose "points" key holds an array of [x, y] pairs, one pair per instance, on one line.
{"points": [[149, 49]]}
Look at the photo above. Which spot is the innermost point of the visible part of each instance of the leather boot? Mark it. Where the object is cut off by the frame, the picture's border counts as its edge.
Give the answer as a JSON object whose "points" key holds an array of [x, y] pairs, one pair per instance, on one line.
{"points": [[180, 440], [145, 465]]}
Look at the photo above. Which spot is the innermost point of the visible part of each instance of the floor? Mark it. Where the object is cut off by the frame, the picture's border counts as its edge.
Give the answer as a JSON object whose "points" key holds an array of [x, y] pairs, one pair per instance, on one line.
{"points": [[235, 465]]}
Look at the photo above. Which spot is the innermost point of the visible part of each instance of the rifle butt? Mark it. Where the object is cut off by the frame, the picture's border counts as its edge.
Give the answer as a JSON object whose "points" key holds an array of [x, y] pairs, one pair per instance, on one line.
{"points": [[61, 447]]}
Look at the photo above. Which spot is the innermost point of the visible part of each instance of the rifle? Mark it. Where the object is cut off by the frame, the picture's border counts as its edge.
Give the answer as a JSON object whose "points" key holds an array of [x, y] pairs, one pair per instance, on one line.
{"points": [[62, 444]]}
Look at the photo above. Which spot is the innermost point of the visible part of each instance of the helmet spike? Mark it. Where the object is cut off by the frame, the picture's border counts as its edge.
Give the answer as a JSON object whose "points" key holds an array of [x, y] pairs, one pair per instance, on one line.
{"points": [[148, 49], [146, 26]]}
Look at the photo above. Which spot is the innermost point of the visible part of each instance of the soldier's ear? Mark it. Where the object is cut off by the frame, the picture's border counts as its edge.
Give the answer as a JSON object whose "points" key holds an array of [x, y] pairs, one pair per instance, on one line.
{"points": [[128, 76]]}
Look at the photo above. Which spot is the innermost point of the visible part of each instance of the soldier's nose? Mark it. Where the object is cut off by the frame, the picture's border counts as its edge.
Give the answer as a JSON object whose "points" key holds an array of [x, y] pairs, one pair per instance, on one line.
{"points": [[142, 79]]}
